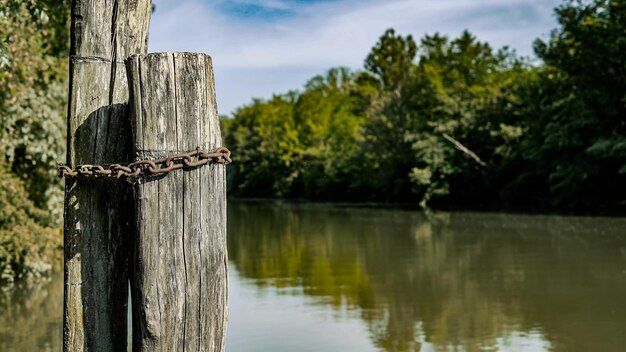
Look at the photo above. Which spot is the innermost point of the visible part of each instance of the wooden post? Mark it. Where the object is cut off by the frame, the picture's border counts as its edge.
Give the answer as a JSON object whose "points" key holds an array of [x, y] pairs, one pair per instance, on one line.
{"points": [[180, 271], [98, 213]]}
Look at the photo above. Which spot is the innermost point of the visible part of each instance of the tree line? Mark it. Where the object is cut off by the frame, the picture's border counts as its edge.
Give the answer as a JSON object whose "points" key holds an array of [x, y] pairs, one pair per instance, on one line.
{"points": [[452, 123], [444, 122]]}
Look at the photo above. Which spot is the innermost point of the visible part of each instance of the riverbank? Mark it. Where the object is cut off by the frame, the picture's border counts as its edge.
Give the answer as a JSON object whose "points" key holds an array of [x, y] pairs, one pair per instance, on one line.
{"points": [[443, 208]]}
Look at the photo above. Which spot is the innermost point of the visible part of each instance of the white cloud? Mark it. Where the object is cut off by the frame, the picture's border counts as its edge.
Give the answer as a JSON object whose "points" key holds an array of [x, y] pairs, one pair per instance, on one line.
{"points": [[255, 57]]}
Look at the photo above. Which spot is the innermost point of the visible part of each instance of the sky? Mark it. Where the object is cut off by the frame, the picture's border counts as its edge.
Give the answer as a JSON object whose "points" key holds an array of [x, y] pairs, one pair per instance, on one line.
{"points": [[264, 47]]}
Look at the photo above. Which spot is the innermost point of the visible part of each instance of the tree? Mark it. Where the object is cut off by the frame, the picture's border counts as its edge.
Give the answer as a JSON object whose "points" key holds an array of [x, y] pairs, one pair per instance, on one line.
{"points": [[298, 144], [264, 138], [28, 240], [329, 129], [33, 81], [575, 111], [459, 134], [387, 155]]}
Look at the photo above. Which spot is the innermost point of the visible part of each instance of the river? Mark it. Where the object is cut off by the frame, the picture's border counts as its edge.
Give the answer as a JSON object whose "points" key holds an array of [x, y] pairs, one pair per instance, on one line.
{"points": [[310, 277]]}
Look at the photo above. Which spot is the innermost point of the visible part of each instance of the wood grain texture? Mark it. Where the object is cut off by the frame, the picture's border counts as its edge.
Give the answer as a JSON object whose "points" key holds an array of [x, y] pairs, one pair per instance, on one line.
{"points": [[180, 260], [98, 214]]}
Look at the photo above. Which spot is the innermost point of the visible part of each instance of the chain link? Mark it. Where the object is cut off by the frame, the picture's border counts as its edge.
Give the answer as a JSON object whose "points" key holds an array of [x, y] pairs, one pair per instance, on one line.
{"points": [[146, 167]]}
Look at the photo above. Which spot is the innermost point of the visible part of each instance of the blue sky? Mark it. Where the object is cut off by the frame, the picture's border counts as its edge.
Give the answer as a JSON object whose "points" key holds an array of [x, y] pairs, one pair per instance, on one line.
{"points": [[261, 47]]}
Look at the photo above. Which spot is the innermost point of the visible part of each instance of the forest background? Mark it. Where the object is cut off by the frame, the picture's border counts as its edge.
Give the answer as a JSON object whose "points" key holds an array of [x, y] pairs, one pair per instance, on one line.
{"points": [[439, 122]]}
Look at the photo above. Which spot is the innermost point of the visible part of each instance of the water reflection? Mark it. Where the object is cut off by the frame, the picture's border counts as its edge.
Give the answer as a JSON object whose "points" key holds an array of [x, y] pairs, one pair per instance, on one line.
{"points": [[324, 278], [455, 281], [31, 316]]}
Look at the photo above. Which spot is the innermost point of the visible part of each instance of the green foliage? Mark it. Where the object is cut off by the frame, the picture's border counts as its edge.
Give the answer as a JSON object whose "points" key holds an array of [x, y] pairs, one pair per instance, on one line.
{"points": [[33, 95], [453, 122], [299, 144], [266, 143], [391, 60], [387, 151], [576, 128], [28, 239]]}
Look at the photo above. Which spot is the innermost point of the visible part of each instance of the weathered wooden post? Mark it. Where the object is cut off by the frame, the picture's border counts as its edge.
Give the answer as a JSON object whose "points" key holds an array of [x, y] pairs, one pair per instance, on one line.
{"points": [[171, 218], [180, 270], [98, 213]]}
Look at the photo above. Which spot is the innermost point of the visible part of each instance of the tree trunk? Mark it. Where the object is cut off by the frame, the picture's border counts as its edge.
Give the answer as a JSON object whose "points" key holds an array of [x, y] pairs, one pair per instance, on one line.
{"points": [[180, 270], [98, 213]]}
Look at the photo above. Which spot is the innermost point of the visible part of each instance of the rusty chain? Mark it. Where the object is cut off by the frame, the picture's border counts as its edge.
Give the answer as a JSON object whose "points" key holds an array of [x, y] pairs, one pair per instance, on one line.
{"points": [[146, 167]]}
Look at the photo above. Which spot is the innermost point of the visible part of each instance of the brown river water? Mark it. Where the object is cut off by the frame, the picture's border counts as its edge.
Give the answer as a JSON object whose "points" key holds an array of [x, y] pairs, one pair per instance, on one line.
{"points": [[310, 277]]}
